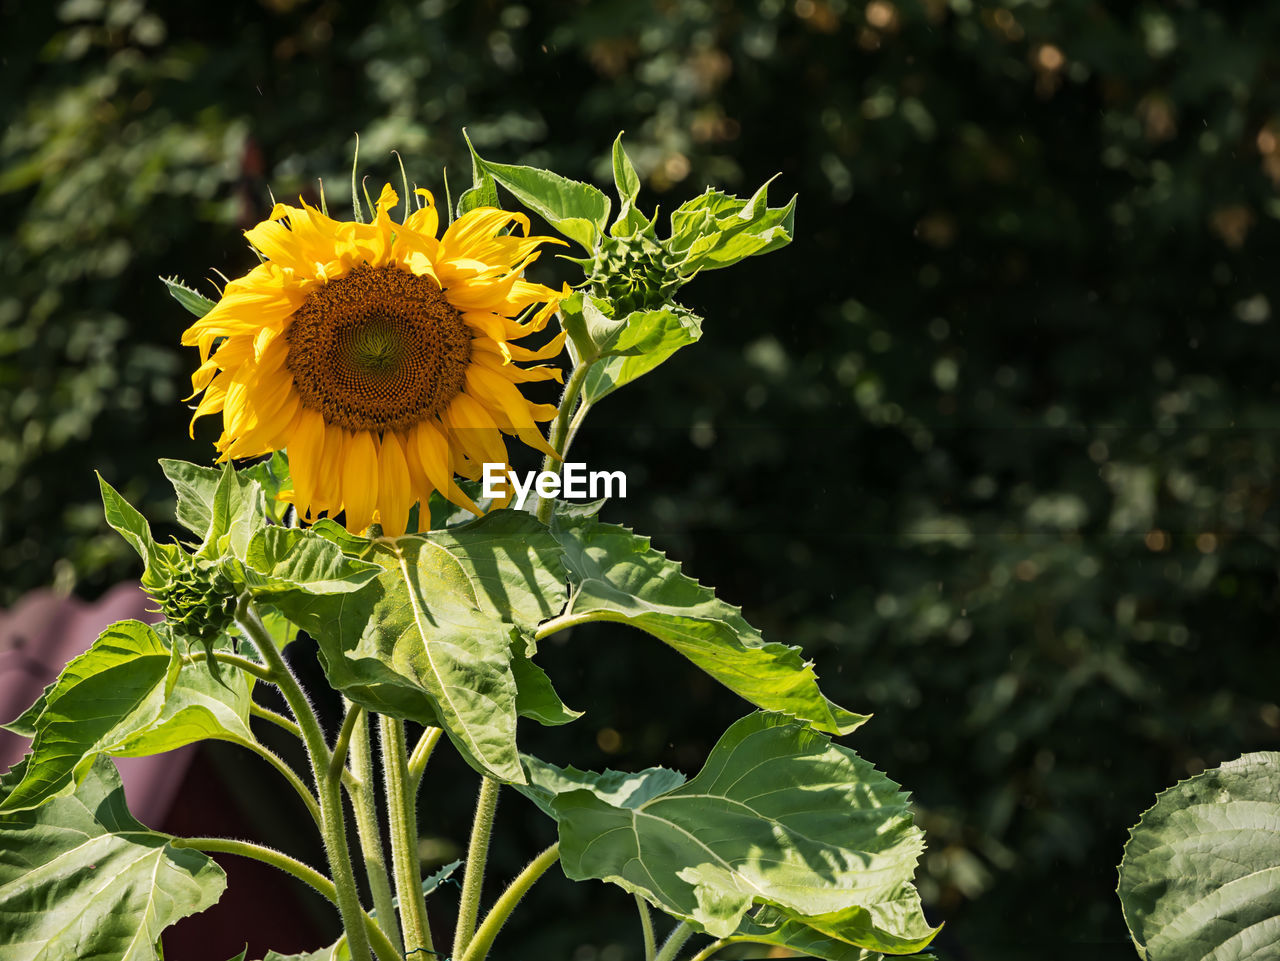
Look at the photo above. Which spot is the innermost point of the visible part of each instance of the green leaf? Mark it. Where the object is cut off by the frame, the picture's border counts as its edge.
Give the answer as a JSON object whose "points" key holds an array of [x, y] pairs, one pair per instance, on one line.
{"points": [[238, 513], [129, 524], [617, 576], [274, 478], [624, 173], [648, 338], [798, 936], [1200, 877], [24, 725], [290, 558], [127, 696], [195, 486], [619, 788], [778, 816], [716, 230], [577, 210], [536, 698], [585, 318], [81, 878], [437, 878], [194, 302], [430, 638], [482, 193]]}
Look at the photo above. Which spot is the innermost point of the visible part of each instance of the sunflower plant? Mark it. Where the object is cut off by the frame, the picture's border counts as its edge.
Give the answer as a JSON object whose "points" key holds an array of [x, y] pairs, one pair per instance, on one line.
{"points": [[365, 372]]}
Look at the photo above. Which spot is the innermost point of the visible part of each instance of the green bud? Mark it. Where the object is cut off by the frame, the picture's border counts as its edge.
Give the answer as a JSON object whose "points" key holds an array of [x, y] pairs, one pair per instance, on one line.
{"points": [[197, 598], [635, 273]]}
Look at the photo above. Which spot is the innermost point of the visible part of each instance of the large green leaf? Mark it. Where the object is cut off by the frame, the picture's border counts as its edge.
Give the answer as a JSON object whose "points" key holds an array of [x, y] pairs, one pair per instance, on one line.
{"points": [[536, 698], [80, 878], [290, 558], [646, 339], [430, 638], [197, 489], [129, 695], [617, 576], [577, 210], [1200, 877], [779, 816]]}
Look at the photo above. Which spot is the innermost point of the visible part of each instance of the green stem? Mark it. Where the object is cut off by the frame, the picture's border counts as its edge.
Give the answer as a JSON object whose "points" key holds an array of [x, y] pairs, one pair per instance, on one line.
{"points": [[402, 813], [566, 621], [646, 928], [279, 720], [560, 433], [338, 760], [303, 872], [333, 824], [479, 947], [289, 774], [675, 941], [368, 832], [235, 660], [477, 854], [421, 755], [715, 946]]}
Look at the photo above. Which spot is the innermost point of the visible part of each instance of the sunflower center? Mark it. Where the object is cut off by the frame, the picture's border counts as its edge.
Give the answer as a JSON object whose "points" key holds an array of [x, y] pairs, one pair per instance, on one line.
{"points": [[378, 349]]}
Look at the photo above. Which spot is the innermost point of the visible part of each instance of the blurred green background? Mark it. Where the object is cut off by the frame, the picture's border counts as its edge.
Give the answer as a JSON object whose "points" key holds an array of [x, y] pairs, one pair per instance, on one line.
{"points": [[993, 439]]}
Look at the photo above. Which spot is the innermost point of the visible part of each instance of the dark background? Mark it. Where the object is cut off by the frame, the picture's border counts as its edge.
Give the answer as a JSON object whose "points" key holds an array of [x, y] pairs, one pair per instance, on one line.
{"points": [[993, 439]]}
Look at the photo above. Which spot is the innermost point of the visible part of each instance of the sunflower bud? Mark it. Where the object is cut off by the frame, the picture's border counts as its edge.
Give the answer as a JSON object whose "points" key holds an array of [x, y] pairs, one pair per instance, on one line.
{"points": [[635, 273], [197, 597]]}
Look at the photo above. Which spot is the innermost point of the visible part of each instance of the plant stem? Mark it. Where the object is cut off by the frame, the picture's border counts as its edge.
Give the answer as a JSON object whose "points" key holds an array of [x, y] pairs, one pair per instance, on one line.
{"points": [[560, 431], [477, 854], [646, 928], [369, 833], [338, 760], [675, 941], [235, 660], [279, 720], [303, 872], [711, 949], [289, 774], [333, 825], [421, 755], [402, 813], [479, 947]]}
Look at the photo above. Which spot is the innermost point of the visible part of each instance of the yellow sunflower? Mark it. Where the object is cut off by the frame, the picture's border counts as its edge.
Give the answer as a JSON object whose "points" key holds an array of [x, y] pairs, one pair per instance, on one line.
{"points": [[379, 356]]}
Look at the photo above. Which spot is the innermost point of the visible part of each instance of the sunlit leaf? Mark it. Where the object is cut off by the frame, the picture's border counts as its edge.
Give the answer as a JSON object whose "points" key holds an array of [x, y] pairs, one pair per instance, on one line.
{"points": [[1200, 877], [430, 638], [81, 878], [577, 210], [839, 853], [617, 576], [129, 695], [196, 303]]}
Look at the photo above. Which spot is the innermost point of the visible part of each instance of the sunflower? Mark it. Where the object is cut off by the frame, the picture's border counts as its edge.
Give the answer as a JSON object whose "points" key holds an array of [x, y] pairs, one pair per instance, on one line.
{"points": [[379, 356]]}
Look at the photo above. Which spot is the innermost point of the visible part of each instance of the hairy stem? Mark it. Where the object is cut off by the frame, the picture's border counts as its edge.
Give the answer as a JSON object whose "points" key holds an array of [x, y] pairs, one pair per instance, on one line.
{"points": [[303, 872], [646, 928], [289, 775], [712, 948], [332, 823], [367, 829], [675, 941], [235, 660], [279, 720], [560, 433], [477, 854], [402, 813], [479, 947], [421, 755]]}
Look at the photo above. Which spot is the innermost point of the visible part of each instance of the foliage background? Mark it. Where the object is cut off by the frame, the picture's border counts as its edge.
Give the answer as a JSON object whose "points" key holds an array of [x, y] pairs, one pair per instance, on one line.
{"points": [[993, 439]]}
